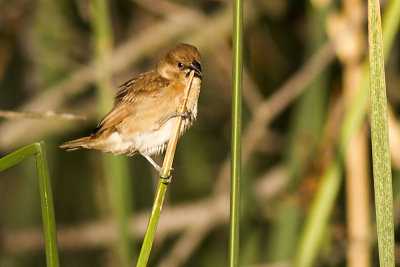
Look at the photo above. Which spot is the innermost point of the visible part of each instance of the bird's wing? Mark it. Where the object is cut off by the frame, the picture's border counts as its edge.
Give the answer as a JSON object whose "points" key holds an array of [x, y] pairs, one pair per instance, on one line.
{"points": [[145, 85]]}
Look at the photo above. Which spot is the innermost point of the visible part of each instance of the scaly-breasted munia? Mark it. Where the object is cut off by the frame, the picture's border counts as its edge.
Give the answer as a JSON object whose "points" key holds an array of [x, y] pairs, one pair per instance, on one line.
{"points": [[140, 121]]}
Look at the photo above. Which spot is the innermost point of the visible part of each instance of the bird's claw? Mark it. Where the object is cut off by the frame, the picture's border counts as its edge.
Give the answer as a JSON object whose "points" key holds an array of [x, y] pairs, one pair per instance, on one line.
{"points": [[184, 115], [166, 179]]}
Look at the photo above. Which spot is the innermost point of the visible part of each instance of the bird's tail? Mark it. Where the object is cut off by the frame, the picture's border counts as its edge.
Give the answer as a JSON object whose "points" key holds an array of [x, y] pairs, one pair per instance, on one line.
{"points": [[76, 144]]}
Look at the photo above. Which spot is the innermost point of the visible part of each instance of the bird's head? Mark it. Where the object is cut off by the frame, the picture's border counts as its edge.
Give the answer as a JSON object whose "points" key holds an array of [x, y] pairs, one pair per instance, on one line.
{"points": [[179, 61]]}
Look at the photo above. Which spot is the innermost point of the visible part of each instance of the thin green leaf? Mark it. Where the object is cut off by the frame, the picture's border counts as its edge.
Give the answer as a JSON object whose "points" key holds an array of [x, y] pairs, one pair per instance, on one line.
{"points": [[380, 139], [46, 196]]}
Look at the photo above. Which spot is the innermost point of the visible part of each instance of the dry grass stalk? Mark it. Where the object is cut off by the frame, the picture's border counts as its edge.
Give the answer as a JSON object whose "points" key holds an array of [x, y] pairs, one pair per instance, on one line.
{"points": [[37, 115]]}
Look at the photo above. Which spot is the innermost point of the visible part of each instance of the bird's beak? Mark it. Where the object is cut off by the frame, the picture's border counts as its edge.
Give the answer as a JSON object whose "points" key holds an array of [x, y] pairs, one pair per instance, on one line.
{"points": [[196, 67]]}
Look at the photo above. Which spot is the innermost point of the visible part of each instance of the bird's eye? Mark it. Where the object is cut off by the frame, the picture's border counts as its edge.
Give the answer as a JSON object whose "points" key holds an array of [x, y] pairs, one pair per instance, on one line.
{"points": [[180, 65]]}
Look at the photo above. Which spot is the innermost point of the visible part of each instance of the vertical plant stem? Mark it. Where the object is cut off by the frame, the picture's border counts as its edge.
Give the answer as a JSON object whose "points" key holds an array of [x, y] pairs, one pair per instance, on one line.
{"points": [[47, 206], [380, 139], [116, 168], [152, 225], [358, 201], [236, 133], [162, 183], [356, 161]]}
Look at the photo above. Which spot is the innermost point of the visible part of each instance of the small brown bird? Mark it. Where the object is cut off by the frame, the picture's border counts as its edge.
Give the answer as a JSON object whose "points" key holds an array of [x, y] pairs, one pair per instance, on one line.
{"points": [[140, 121]]}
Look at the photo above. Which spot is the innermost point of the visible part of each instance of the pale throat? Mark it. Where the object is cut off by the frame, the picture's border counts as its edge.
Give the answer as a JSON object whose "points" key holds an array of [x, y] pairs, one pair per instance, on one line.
{"points": [[173, 75]]}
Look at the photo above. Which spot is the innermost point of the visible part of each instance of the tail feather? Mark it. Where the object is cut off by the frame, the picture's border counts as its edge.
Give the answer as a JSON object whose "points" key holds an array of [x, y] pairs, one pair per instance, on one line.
{"points": [[76, 144]]}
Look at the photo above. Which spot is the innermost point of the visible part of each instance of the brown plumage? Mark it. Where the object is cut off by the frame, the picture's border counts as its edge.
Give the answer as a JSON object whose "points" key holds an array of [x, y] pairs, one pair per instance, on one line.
{"points": [[140, 121]]}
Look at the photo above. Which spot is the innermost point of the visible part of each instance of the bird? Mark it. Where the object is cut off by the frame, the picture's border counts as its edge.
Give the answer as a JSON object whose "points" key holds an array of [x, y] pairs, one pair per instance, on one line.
{"points": [[140, 121]]}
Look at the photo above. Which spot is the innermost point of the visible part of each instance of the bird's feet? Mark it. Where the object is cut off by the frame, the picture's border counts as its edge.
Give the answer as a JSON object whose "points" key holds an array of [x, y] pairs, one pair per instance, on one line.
{"points": [[165, 179], [184, 115]]}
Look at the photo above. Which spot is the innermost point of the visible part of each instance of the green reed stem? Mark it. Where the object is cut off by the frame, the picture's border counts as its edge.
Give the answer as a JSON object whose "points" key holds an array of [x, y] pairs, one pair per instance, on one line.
{"points": [[236, 133], [152, 226]]}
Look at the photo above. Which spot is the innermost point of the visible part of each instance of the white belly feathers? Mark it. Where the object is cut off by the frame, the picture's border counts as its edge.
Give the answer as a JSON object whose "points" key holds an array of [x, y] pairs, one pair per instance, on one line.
{"points": [[147, 143]]}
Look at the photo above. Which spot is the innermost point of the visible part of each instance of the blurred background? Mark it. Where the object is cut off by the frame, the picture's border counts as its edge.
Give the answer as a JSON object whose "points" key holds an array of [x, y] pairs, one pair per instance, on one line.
{"points": [[303, 67]]}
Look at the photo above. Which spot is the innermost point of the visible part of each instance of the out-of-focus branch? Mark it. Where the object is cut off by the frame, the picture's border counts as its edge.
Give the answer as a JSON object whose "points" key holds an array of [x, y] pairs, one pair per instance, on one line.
{"points": [[214, 211], [189, 241], [100, 234], [171, 10], [42, 127], [36, 115]]}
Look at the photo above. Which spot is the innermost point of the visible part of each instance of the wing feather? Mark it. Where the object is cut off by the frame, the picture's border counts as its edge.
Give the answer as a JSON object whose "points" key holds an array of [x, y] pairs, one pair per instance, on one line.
{"points": [[145, 85]]}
